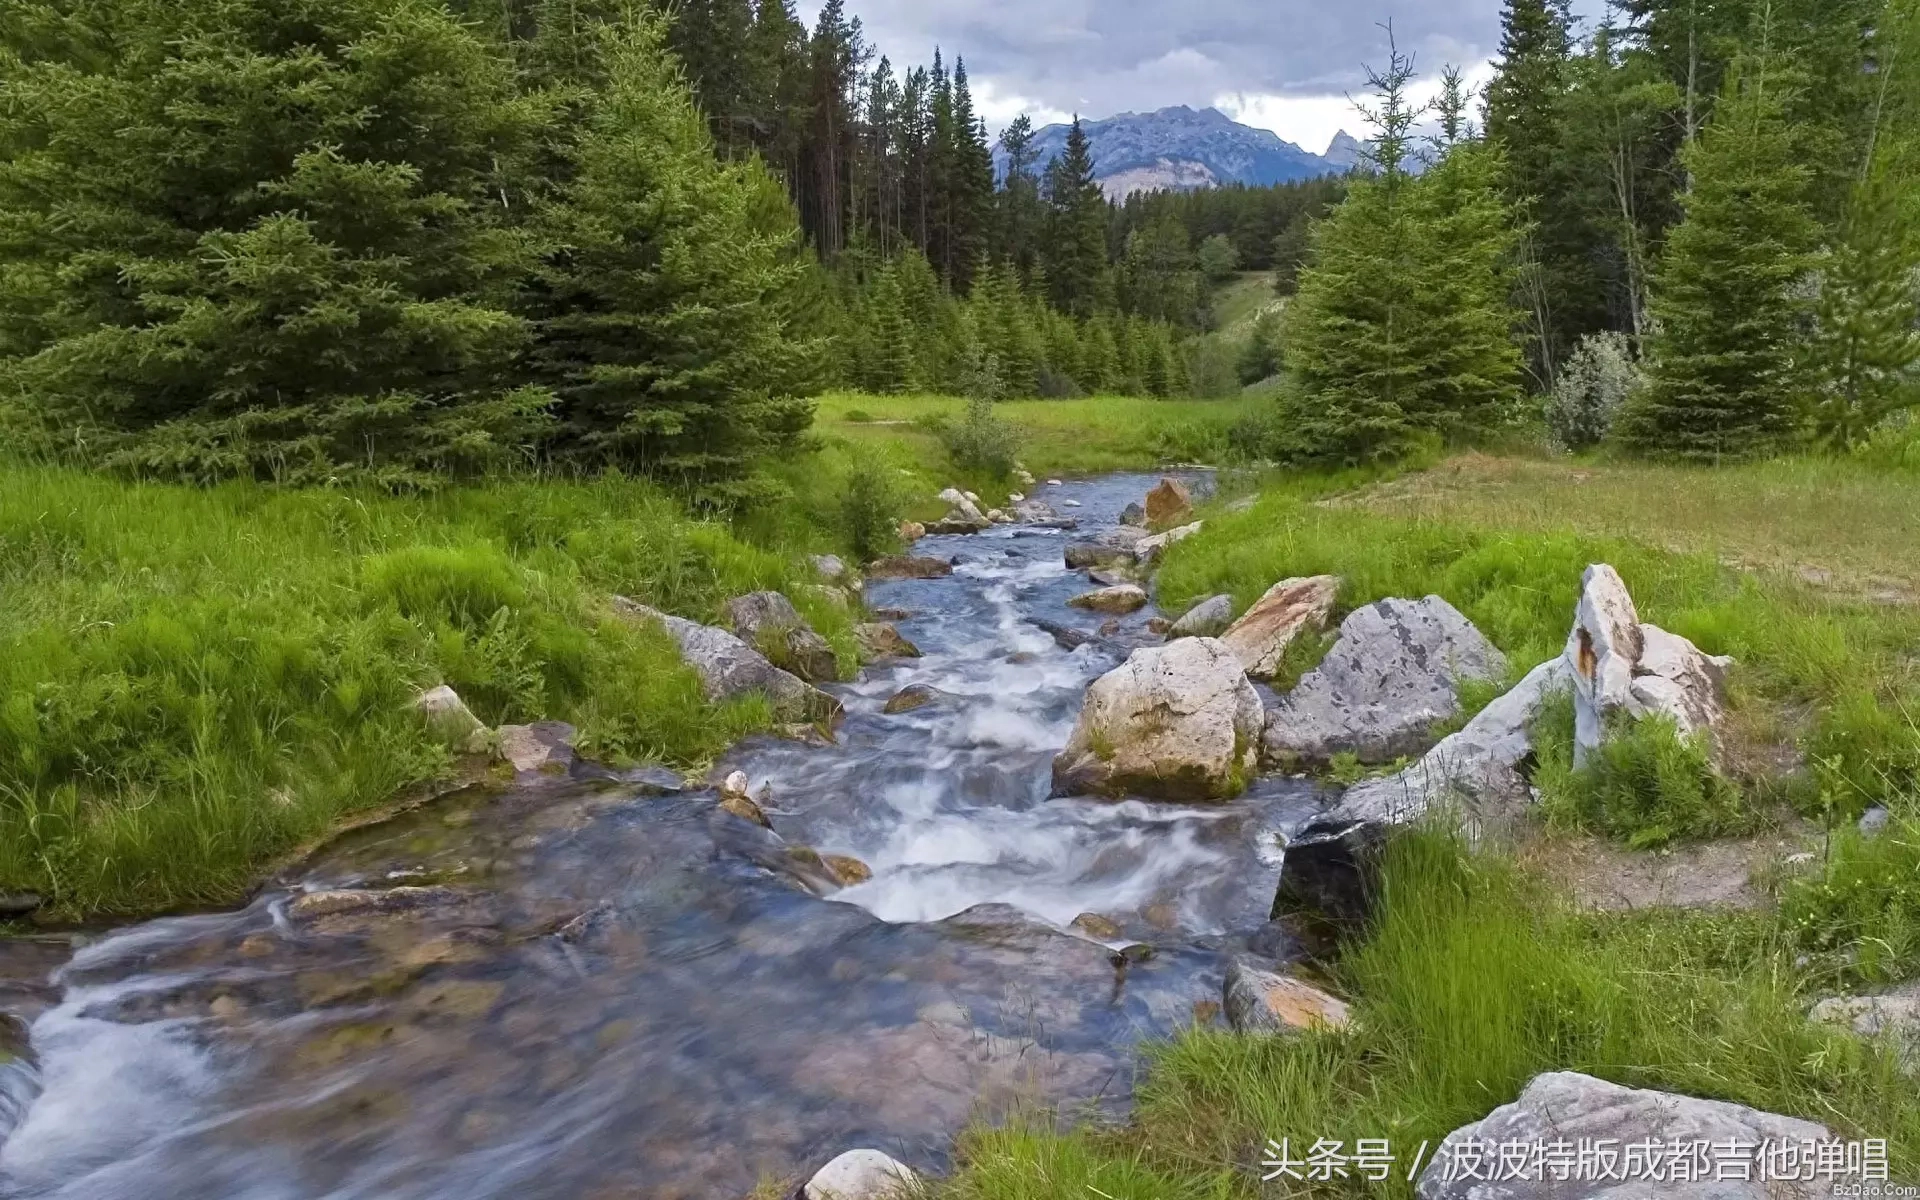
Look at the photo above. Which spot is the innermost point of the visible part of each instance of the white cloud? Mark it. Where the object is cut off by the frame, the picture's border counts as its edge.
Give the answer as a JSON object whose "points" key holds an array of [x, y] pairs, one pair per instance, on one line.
{"points": [[1311, 121]]}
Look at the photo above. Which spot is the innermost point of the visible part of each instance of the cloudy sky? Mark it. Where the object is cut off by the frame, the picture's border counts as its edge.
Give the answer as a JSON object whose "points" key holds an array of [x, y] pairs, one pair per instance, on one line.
{"points": [[1286, 65]]}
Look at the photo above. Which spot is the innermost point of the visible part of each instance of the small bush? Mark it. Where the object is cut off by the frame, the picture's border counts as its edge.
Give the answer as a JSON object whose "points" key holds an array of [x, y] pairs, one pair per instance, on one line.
{"points": [[980, 377], [859, 416], [1050, 384], [870, 505], [1212, 369], [981, 441], [1646, 784], [1593, 385]]}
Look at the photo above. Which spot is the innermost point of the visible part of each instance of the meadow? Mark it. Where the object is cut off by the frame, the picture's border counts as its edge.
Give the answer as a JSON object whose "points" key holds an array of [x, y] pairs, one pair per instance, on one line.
{"points": [[195, 680]]}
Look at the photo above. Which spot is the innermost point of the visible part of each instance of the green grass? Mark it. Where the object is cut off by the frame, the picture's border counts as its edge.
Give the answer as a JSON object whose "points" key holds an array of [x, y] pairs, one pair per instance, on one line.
{"points": [[193, 681], [1827, 668], [1475, 979], [1057, 437], [1241, 299]]}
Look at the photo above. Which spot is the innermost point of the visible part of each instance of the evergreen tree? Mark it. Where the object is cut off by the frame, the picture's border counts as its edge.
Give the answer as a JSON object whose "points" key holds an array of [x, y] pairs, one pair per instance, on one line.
{"points": [[271, 238], [660, 311], [1076, 249], [1351, 322], [1021, 216], [1726, 361], [1868, 344], [891, 368]]}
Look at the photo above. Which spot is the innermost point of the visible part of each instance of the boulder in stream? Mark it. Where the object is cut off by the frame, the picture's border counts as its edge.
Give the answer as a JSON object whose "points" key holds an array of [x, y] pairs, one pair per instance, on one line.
{"points": [[862, 1175], [729, 667], [914, 695], [1120, 598], [1112, 546], [1566, 1108], [1262, 1001], [734, 798], [1174, 722], [1395, 673], [963, 514], [1134, 514], [909, 566], [1169, 504], [911, 531], [879, 639], [544, 746], [1259, 639], [1207, 618], [770, 623]]}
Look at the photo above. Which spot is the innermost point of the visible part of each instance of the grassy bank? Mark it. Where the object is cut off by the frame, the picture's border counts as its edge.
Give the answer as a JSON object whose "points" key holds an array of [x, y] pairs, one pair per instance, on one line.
{"points": [[1478, 975], [1475, 979], [1823, 666], [195, 680]]}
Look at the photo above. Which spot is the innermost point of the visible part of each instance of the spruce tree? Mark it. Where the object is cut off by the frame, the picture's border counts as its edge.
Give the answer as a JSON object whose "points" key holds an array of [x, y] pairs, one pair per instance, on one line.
{"points": [[661, 311], [1867, 347], [272, 238], [1727, 359], [1076, 248], [1350, 325]]}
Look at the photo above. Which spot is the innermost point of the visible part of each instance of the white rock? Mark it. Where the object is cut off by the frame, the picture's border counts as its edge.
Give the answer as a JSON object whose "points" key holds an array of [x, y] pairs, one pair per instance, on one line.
{"points": [[451, 720], [1207, 618], [1177, 722], [1623, 666], [1262, 634], [1070, 503], [1567, 1106], [735, 784], [830, 567], [1054, 483], [545, 746], [1395, 672], [1149, 549], [861, 1175], [1015, 497]]}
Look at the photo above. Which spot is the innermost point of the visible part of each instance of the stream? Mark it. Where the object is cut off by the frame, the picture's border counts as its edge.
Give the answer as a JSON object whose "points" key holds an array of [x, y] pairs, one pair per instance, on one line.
{"points": [[606, 987]]}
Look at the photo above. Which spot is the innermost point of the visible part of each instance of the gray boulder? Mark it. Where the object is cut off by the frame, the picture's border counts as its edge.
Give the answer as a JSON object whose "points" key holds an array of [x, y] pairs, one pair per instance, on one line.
{"points": [[1893, 1016], [768, 622], [1149, 549], [451, 721], [1621, 665], [1113, 546], [1134, 514], [879, 639], [1175, 722], [729, 667], [1477, 767], [544, 746], [1564, 1108], [1208, 618], [1395, 672]]}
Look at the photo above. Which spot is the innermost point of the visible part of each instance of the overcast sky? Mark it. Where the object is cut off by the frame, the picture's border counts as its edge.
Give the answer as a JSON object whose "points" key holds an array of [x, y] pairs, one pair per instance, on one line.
{"points": [[1285, 65]]}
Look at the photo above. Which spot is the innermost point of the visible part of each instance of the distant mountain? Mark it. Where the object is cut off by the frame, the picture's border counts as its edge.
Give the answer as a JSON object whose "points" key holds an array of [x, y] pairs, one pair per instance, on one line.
{"points": [[1185, 149]]}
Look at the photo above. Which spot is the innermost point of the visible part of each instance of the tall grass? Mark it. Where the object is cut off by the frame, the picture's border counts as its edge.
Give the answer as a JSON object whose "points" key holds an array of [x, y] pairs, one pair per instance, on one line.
{"points": [[1475, 978], [192, 681]]}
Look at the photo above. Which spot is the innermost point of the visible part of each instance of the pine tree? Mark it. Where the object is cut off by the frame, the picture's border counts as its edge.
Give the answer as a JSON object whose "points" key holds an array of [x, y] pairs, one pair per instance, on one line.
{"points": [[1020, 213], [1351, 322], [1464, 338], [892, 367], [1727, 361], [1076, 249], [660, 312], [272, 238], [1868, 344]]}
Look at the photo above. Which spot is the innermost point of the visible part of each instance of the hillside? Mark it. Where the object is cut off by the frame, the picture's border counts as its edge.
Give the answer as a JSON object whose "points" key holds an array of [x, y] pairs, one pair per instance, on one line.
{"points": [[1185, 148]]}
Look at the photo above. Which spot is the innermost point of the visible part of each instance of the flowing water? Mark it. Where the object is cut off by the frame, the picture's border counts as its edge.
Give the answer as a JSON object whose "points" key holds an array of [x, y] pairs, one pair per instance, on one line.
{"points": [[598, 988]]}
